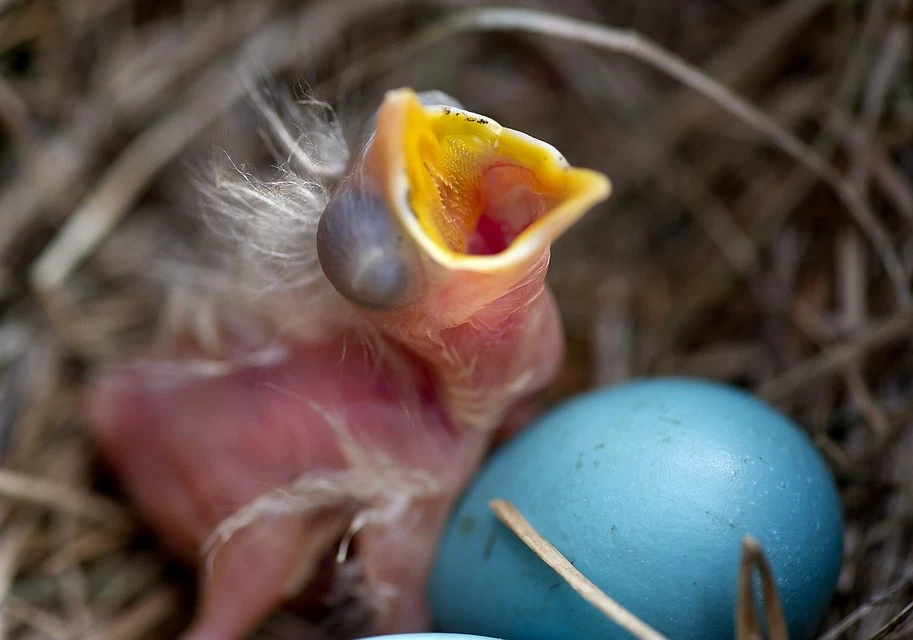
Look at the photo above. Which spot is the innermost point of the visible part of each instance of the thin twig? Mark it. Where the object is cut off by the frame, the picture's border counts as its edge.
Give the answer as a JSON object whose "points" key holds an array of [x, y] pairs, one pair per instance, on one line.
{"points": [[894, 183], [14, 118], [36, 490], [133, 577], [144, 616], [12, 545], [88, 545], [836, 358], [884, 597], [851, 255], [893, 54], [60, 166], [782, 201], [894, 623], [74, 598], [862, 397], [514, 521], [44, 622]]}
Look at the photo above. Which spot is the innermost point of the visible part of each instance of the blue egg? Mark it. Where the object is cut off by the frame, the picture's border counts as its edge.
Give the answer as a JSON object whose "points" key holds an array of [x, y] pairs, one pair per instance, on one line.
{"points": [[647, 488]]}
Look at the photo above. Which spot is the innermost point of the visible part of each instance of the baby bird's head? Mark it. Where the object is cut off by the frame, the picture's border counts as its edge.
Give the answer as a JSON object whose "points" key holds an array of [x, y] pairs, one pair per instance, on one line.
{"points": [[439, 234], [440, 199]]}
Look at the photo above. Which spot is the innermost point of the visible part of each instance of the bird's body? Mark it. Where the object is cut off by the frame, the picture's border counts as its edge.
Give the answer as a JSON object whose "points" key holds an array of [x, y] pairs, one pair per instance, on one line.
{"points": [[338, 432], [322, 461]]}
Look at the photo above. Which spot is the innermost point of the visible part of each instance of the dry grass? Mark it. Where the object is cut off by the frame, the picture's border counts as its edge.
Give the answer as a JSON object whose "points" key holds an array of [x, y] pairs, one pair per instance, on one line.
{"points": [[719, 255]]}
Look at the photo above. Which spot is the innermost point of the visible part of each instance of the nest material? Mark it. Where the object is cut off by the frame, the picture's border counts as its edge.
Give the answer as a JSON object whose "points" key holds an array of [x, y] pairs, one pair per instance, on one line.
{"points": [[718, 255]]}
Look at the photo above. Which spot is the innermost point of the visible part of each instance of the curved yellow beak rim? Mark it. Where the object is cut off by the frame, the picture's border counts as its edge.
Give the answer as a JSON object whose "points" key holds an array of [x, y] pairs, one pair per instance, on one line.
{"points": [[472, 194]]}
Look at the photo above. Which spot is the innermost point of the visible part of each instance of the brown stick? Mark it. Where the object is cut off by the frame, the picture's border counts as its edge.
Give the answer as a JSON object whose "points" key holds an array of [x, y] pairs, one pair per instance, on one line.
{"points": [[835, 359], [747, 621], [514, 521]]}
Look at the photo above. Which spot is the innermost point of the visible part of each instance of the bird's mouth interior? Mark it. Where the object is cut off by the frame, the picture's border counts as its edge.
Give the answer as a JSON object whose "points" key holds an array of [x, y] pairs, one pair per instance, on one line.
{"points": [[476, 187]]}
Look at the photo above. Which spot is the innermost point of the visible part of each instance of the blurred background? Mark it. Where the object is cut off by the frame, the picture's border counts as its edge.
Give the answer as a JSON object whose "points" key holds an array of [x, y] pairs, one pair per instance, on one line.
{"points": [[718, 255]]}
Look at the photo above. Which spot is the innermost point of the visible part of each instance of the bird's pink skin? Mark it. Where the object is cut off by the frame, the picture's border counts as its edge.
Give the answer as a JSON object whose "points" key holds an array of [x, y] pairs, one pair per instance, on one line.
{"points": [[191, 450]]}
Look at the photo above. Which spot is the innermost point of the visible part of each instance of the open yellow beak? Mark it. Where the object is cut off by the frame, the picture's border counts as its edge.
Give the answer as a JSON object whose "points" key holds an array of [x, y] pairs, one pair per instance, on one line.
{"points": [[475, 196], [439, 233], [444, 210]]}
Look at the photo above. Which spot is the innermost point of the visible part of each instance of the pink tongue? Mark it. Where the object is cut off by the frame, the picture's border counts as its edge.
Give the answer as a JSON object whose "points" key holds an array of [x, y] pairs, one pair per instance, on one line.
{"points": [[490, 237], [512, 204], [192, 450]]}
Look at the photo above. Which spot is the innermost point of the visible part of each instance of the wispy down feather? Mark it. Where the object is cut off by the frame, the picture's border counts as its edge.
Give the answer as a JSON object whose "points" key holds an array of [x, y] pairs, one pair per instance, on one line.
{"points": [[262, 229]]}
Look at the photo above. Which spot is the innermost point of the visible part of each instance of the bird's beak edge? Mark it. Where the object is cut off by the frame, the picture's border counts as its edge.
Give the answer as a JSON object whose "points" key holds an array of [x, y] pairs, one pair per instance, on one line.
{"points": [[473, 195]]}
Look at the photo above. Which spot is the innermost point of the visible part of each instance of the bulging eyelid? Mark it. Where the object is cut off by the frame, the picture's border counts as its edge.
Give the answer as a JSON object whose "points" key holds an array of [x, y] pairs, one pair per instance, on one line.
{"points": [[362, 250], [360, 245]]}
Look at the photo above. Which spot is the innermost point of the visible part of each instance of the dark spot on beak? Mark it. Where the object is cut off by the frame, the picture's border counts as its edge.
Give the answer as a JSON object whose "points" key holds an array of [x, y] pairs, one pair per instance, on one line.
{"points": [[362, 250]]}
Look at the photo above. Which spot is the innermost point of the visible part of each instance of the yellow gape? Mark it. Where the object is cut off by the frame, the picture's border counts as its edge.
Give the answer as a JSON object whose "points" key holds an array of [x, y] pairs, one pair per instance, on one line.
{"points": [[475, 187]]}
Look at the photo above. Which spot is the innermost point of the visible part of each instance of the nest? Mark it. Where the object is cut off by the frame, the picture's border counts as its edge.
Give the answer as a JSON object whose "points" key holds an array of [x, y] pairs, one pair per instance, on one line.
{"points": [[764, 240]]}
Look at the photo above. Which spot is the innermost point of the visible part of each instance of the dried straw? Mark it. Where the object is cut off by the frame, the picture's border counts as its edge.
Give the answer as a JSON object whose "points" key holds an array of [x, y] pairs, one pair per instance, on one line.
{"points": [[761, 233]]}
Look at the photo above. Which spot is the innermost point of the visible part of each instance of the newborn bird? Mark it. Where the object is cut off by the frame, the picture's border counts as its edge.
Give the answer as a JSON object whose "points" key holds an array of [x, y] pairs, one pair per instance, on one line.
{"points": [[313, 452]]}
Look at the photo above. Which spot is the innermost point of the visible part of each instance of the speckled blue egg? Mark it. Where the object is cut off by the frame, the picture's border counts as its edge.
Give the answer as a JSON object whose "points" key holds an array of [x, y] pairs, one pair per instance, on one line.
{"points": [[648, 489]]}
